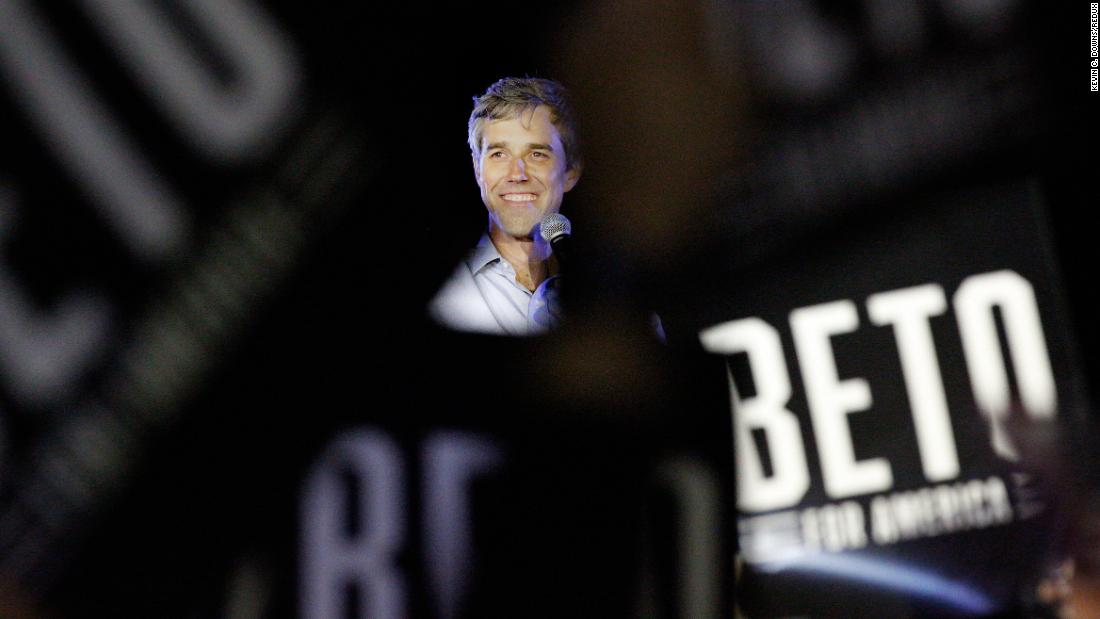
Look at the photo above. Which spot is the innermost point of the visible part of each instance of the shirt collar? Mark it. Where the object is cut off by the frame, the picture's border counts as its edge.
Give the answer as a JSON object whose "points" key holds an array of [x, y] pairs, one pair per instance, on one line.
{"points": [[484, 254]]}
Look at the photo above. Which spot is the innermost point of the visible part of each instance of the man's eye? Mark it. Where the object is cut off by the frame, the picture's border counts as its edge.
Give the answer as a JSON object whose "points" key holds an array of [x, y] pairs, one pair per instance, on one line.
{"points": [[496, 155], [538, 154]]}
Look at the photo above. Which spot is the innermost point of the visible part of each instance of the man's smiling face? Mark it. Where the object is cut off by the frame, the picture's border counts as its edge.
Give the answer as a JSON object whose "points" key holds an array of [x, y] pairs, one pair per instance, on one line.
{"points": [[522, 172]]}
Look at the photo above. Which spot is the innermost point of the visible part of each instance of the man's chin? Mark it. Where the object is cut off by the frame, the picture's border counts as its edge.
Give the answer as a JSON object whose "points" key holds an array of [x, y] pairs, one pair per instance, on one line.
{"points": [[521, 231]]}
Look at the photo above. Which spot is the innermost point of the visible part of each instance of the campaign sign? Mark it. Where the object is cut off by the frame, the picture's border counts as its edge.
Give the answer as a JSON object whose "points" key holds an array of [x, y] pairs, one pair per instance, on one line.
{"points": [[879, 382], [507, 490]]}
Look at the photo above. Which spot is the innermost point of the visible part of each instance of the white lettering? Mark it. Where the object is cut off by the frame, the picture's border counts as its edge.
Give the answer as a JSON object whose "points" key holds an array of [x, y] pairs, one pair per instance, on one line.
{"points": [[331, 559], [831, 400], [908, 310], [43, 354], [765, 411], [974, 302], [451, 461], [85, 136], [833, 527], [937, 510], [226, 121]]}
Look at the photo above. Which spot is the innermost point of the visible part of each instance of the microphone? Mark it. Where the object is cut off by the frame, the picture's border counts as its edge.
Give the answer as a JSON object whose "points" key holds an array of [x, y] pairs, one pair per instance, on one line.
{"points": [[555, 229]]}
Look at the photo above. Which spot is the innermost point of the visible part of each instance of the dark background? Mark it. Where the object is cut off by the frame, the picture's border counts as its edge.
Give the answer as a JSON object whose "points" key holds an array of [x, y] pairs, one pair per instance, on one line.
{"points": [[319, 327]]}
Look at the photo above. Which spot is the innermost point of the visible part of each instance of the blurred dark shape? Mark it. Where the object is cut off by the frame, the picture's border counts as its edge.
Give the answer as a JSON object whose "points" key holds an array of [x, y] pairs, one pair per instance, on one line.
{"points": [[744, 159], [660, 125]]}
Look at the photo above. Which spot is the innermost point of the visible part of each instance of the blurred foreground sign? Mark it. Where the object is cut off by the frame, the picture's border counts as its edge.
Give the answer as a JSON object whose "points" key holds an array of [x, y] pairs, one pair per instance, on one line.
{"points": [[878, 381]]}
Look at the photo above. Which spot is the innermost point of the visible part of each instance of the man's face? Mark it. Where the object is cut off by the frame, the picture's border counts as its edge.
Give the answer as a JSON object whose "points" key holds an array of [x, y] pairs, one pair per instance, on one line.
{"points": [[522, 172]]}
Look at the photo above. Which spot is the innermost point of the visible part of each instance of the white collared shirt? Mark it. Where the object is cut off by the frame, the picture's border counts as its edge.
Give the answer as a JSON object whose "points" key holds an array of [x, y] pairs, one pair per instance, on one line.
{"points": [[483, 296]]}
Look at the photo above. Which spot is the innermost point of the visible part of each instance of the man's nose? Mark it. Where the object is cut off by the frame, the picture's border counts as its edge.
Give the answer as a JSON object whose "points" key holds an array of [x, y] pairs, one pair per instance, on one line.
{"points": [[518, 171]]}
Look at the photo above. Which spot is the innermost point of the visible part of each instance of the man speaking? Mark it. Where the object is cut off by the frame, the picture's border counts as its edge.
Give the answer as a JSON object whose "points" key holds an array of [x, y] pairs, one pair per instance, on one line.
{"points": [[524, 147]]}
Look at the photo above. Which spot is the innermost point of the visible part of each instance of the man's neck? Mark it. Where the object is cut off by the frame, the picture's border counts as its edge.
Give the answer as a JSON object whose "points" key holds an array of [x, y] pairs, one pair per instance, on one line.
{"points": [[529, 258]]}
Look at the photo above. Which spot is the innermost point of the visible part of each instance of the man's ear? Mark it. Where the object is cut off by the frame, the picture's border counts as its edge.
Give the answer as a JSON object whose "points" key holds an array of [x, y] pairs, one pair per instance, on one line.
{"points": [[571, 177], [477, 166]]}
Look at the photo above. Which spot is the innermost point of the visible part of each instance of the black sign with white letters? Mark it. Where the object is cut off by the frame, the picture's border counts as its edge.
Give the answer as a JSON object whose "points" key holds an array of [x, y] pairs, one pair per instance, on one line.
{"points": [[884, 384]]}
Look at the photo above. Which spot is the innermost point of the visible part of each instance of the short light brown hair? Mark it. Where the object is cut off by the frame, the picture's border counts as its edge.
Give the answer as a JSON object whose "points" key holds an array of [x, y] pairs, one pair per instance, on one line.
{"points": [[511, 96]]}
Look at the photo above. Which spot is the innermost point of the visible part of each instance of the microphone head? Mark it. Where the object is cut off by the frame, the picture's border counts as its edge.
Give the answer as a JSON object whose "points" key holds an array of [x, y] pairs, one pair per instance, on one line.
{"points": [[554, 226]]}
